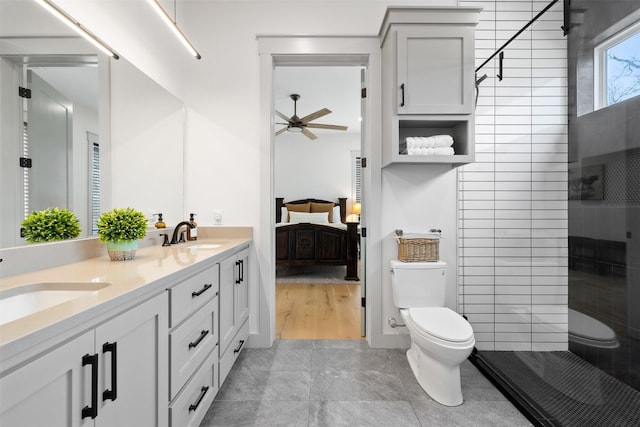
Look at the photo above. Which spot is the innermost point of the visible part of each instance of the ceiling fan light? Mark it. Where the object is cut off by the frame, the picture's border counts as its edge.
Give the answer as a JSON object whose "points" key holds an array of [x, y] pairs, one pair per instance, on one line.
{"points": [[294, 129]]}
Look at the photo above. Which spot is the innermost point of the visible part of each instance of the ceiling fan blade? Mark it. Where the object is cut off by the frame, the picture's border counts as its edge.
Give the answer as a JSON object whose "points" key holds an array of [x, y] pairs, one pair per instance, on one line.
{"points": [[309, 134], [315, 115], [323, 126], [281, 131], [283, 116]]}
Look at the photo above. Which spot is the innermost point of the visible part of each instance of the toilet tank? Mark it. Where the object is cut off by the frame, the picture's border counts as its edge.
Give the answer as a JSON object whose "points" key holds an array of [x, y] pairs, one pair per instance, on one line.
{"points": [[418, 284]]}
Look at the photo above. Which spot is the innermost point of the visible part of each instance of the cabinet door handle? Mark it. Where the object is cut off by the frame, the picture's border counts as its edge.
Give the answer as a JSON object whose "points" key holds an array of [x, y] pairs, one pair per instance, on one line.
{"points": [[240, 344], [241, 270], [113, 349], [199, 340], [238, 275], [92, 411], [402, 91], [206, 287], [195, 405]]}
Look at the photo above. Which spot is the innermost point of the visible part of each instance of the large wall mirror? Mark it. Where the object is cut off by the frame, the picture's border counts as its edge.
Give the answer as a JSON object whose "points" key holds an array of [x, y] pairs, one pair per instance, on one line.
{"points": [[87, 116]]}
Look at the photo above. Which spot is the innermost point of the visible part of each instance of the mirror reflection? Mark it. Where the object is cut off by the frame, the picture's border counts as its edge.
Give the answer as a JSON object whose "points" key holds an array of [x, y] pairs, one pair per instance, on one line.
{"points": [[54, 138], [88, 115]]}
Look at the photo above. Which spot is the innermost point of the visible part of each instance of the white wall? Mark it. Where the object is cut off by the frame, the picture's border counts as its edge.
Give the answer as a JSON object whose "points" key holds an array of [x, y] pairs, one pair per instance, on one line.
{"points": [[319, 169]]}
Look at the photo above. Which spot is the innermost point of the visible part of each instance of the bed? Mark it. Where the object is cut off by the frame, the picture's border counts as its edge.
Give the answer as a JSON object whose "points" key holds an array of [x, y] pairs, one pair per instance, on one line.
{"points": [[324, 240]]}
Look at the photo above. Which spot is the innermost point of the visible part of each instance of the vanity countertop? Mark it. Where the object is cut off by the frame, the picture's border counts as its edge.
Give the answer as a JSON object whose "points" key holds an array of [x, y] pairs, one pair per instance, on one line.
{"points": [[153, 269]]}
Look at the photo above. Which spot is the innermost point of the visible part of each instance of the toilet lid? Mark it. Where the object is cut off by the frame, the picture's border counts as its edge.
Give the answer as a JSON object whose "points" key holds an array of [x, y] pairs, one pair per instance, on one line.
{"points": [[442, 322]]}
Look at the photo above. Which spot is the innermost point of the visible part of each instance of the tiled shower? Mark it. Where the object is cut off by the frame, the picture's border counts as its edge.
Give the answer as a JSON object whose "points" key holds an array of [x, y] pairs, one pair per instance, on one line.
{"points": [[549, 277], [513, 199]]}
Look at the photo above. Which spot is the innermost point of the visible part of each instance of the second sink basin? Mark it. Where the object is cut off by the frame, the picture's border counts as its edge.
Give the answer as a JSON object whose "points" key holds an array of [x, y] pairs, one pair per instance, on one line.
{"points": [[28, 299], [205, 246]]}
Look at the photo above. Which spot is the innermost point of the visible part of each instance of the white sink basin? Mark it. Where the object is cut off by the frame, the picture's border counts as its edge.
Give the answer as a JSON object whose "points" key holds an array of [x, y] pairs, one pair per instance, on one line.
{"points": [[205, 246], [24, 300]]}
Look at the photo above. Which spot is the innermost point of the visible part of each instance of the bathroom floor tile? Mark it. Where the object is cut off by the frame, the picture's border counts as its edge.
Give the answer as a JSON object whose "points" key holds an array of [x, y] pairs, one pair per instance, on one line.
{"points": [[346, 383], [253, 412], [370, 413]]}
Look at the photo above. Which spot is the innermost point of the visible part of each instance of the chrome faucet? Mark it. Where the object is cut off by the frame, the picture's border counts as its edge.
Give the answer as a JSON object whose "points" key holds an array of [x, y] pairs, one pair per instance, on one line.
{"points": [[174, 238]]}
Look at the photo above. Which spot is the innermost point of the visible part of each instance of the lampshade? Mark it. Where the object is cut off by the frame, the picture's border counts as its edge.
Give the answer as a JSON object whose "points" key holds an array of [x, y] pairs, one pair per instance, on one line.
{"points": [[356, 208]]}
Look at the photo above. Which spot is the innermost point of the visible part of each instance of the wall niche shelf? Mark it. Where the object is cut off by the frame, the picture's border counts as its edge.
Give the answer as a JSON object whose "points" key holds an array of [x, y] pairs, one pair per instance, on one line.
{"points": [[459, 128], [428, 56]]}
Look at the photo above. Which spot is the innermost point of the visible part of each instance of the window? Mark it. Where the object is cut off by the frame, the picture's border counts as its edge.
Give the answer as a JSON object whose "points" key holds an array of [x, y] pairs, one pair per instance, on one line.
{"points": [[356, 177], [94, 182], [617, 73]]}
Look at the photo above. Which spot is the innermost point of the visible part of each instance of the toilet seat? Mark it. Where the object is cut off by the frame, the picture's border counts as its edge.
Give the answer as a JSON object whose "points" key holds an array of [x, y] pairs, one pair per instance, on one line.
{"points": [[442, 323]]}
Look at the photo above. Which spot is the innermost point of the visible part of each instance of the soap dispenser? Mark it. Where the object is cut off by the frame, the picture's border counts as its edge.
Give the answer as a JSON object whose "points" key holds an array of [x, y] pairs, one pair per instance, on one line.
{"points": [[192, 233], [160, 223]]}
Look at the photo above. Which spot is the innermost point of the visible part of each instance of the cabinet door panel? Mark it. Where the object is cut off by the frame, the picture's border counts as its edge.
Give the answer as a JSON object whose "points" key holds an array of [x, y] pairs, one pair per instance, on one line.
{"points": [[435, 71], [242, 288], [50, 391], [228, 316], [141, 337]]}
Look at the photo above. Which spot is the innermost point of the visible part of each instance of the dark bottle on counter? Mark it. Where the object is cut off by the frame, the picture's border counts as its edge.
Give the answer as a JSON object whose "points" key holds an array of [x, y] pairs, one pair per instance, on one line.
{"points": [[192, 233]]}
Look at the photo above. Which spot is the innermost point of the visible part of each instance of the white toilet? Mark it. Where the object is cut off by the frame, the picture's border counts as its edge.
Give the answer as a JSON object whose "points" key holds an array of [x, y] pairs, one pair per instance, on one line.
{"points": [[441, 339]]}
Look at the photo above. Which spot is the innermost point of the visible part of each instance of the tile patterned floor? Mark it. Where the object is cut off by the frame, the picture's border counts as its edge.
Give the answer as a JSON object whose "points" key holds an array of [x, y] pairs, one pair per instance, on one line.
{"points": [[346, 383]]}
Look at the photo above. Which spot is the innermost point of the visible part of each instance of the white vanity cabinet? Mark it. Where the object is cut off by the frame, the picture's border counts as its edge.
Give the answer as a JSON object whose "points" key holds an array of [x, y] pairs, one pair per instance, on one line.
{"points": [[193, 346], [111, 375], [428, 83], [234, 308]]}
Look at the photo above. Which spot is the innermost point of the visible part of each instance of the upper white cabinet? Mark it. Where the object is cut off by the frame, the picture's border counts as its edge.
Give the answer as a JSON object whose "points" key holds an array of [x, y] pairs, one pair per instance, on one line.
{"points": [[428, 84], [435, 70]]}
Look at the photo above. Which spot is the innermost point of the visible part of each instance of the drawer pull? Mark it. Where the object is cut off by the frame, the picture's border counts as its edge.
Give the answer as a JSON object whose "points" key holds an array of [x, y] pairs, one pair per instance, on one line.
{"points": [[203, 392], [206, 287], [92, 411], [237, 350], [113, 393], [199, 340]]}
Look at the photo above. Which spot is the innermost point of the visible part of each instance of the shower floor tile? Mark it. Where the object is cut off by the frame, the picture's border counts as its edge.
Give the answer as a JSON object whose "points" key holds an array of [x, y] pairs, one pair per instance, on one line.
{"points": [[564, 389]]}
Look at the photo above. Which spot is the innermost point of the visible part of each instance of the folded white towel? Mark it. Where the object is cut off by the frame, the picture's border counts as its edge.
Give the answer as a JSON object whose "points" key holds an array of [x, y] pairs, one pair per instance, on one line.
{"points": [[435, 141], [440, 151]]}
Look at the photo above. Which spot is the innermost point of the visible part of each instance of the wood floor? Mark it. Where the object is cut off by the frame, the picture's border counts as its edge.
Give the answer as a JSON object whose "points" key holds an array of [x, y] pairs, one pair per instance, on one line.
{"points": [[317, 311]]}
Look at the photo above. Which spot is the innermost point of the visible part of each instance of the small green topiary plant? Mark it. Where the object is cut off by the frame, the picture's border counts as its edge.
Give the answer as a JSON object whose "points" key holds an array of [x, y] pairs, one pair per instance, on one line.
{"points": [[122, 225], [50, 224]]}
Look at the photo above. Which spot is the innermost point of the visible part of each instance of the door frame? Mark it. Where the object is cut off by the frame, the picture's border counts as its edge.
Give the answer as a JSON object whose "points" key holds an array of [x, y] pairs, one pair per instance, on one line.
{"points": [[315, 50]]}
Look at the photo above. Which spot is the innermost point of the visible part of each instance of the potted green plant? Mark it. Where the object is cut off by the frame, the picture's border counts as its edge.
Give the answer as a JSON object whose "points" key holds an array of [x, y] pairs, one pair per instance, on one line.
{"points": [[121, 228], [50, 224]]}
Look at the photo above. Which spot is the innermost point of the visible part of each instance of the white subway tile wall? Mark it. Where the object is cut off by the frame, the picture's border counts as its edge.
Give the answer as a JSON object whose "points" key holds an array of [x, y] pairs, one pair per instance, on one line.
{"points": [[513, 199]]}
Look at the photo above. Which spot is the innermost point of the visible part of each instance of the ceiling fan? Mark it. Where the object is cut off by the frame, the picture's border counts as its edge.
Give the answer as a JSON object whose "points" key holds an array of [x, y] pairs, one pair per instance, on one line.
{"points": [[297, 125]]}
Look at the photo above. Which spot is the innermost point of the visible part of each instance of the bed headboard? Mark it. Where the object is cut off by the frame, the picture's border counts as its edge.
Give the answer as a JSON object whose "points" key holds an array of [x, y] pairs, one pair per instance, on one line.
{"points": [[342, 202]]}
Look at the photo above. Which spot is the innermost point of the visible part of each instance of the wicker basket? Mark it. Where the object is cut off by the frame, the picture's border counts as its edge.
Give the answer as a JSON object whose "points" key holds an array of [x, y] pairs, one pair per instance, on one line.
{"points": [[415, 248]]}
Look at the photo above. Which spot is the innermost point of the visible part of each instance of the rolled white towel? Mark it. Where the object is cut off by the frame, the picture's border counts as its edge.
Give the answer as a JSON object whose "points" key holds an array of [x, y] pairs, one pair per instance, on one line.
{"points": [[440, 151], [429, 141]]}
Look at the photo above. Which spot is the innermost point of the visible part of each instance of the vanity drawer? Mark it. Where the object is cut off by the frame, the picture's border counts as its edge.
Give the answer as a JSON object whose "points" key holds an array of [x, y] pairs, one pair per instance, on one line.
{"points": [[232, 353], [192, 294], [191, 343], [190, 407]]}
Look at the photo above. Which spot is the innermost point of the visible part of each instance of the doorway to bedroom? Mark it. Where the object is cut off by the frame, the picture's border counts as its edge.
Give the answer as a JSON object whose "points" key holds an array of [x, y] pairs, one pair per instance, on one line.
{"points": [[317, 167]]}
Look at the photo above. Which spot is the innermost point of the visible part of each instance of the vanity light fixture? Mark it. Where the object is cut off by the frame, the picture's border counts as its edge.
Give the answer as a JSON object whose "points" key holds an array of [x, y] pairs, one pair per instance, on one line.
{"points": [[77, 27], [174, 27]]}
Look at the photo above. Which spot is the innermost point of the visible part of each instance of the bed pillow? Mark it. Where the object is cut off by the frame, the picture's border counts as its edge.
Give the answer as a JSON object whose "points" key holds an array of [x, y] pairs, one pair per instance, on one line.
{"points": [[336, 215], [284, 215], [313, 218], [323, 207], [297, 207]]}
